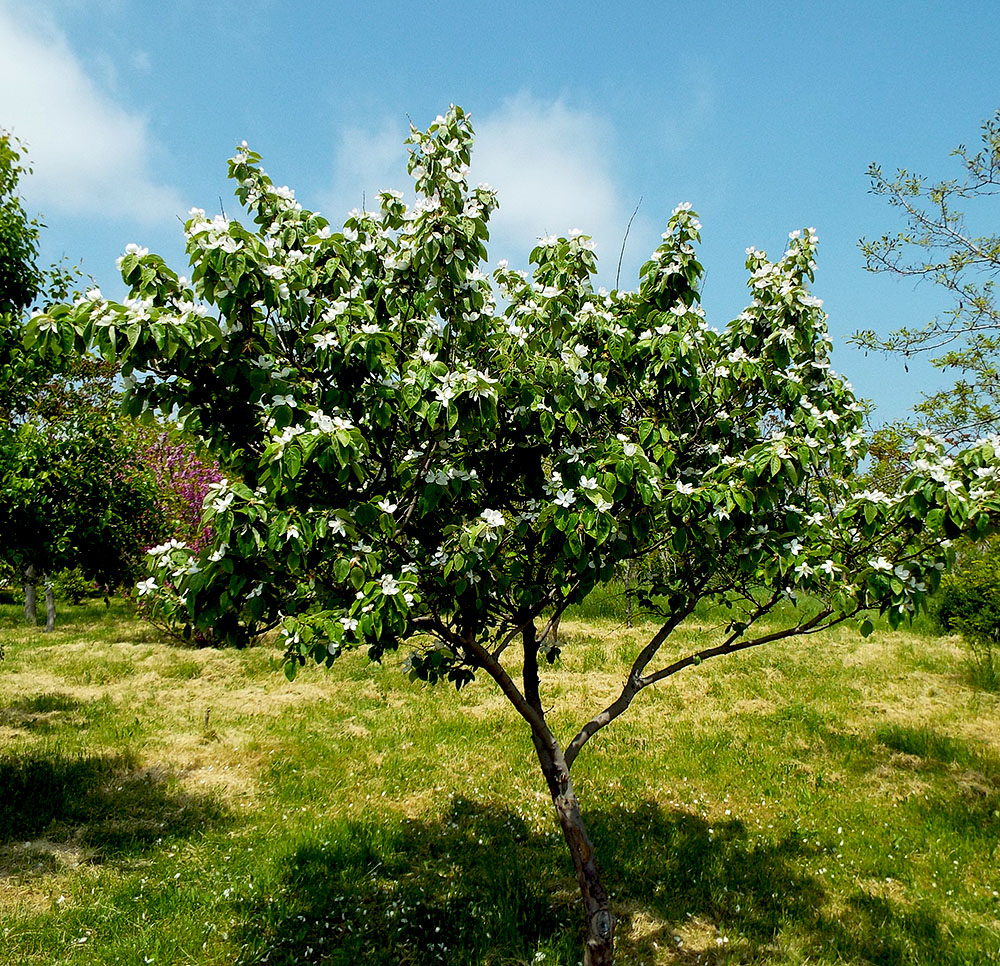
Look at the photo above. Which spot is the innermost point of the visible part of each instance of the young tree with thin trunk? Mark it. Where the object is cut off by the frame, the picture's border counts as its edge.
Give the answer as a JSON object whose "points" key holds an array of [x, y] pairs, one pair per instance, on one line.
{"points": [[411, 465], [957, 248]]}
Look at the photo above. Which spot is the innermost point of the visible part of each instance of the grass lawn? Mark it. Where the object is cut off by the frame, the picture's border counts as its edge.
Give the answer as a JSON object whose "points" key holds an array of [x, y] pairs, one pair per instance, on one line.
{"points": [[834, 800]]}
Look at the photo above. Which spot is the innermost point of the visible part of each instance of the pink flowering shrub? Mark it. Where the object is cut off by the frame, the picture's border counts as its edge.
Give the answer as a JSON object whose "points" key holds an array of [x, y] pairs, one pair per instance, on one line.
{"points": [[183, 478]]}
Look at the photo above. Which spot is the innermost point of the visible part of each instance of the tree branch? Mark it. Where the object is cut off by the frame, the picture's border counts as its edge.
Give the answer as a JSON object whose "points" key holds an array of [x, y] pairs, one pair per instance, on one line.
{"points": [[633, 685], [636, 682], [731, 646], [495, 670]]}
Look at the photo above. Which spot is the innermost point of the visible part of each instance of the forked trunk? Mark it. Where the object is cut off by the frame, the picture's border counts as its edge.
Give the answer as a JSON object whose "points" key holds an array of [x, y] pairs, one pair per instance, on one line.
{"points": [[600, 923], [30, 605]]}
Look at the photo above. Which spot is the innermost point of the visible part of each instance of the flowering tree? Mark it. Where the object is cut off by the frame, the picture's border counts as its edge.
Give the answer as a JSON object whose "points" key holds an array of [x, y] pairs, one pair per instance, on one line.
{"points": [[412, 464], [183, 480], [73, 495]]}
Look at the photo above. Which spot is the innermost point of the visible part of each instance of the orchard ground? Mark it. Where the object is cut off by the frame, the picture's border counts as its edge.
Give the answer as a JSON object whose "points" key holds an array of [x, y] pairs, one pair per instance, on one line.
{"points": [[828, 800]]}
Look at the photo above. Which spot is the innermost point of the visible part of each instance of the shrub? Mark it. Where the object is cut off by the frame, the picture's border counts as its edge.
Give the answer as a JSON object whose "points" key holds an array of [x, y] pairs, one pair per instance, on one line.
{"points": [[72, 584], [968, 603]]}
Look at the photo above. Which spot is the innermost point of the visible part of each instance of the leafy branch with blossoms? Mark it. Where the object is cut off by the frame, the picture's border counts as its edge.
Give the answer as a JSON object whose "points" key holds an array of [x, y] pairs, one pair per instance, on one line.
{"points": [[422, 455]]}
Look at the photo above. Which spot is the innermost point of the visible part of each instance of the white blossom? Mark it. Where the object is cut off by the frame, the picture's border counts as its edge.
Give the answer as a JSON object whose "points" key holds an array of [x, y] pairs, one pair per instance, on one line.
{"points": [[216, 555], [493, 518], [565, 498]]}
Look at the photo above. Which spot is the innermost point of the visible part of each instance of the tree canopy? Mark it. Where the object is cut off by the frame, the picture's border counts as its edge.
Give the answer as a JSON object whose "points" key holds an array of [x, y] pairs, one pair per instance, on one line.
{"points": [[72, 492], [421, 455], [940, 244], [18, 234]]}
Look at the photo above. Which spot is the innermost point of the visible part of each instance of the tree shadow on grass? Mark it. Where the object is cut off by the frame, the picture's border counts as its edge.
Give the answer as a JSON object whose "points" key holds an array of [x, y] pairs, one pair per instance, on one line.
{"points": [[102, 805], [677, 868], [473, 887], [41, 712], [480, 886]]}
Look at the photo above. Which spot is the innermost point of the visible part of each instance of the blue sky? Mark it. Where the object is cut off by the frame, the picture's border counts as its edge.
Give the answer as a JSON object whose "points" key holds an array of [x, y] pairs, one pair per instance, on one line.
{"points": [[764, 115]]}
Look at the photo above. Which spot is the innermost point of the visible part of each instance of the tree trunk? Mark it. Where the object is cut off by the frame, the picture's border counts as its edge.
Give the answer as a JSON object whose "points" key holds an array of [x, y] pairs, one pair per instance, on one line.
{"points": [[551, 638], [50, 606], [30, 606], [600, 923]]}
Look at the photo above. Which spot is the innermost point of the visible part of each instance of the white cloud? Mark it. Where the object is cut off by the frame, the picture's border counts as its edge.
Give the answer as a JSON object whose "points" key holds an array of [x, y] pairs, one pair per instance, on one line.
{"points": [[366, 162], [553, 167], [90, 155]]}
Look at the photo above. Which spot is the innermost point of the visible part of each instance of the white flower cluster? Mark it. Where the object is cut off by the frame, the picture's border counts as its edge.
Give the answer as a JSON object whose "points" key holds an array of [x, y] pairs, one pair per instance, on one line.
{"points": [[165, 548], [130, 249], [325, 425], [442, 477], [211, 234]]}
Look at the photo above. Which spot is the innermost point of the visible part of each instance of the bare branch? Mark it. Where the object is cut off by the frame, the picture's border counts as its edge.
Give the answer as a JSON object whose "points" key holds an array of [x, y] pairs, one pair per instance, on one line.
{"points": [[731, 646], [633, 685], [495, 670]]}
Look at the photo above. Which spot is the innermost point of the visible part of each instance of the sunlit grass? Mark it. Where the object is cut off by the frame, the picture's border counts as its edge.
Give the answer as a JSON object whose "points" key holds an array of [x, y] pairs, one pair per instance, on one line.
{"points": [[833, 800]]}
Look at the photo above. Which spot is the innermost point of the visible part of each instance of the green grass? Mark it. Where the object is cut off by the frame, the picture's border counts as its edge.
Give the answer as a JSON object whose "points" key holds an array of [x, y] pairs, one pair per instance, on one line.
{"points": [[831, 801]]}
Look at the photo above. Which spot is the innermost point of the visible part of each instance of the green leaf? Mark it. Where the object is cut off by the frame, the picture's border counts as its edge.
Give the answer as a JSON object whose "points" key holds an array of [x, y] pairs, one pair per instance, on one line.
{"points": [[411, 394], [383, 414]]}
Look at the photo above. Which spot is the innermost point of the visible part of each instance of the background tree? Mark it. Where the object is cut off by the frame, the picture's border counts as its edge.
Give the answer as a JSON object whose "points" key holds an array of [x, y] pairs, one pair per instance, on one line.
{"points": [[409, 464], [968, 603], [19, 275], [72, 490], [18, 286], [75, 496], [939, 244]]}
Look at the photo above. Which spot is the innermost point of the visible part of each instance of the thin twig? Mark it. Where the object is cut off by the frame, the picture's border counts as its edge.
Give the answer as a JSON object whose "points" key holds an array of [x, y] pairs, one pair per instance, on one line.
{"points": [[618, 275]]}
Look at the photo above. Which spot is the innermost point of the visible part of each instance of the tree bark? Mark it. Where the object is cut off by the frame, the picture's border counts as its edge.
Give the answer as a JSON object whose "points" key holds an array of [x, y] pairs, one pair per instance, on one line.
{"points": [[30, 605], [551, 638], [50, 606], [599, 947]]}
